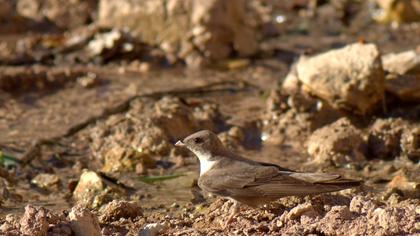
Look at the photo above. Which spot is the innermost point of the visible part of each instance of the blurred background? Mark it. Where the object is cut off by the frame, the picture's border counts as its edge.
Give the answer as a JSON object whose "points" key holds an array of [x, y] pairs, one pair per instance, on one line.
{"points": [[94, 93]]}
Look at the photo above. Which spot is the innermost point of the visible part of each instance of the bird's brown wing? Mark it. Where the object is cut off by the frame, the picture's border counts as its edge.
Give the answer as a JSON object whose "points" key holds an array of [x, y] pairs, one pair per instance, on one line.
{"points": [[231, 179], [293, 183], [248, 180]]}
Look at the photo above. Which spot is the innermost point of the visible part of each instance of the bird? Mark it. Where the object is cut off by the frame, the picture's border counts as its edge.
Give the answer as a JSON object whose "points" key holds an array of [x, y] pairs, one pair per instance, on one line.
{"points": [[244, 181]]}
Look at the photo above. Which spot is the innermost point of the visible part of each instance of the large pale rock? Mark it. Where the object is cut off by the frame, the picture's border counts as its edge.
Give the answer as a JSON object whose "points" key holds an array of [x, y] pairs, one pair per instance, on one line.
{"points": [[90, 184], [187, 29], [407, 62], [153, 229], [351, 77]]}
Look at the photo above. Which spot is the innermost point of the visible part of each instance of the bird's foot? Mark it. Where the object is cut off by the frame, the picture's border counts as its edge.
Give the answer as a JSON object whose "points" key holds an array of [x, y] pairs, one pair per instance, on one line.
{"points": [[235, 211], [227, 223]]}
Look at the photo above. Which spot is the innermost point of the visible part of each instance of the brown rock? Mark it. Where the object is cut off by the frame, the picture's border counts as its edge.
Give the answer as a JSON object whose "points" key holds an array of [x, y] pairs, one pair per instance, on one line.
{"points": [[10, 225], [153, 229], [393, 221], [362, 205], [83, 222], [339, 212], [90, 183], [34, 221], [46, 181], [93, 191], [302, 209]]}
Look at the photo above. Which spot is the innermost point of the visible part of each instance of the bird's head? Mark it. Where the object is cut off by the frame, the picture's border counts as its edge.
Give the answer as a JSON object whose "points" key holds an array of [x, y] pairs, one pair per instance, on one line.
{"points": [[204, 144]]}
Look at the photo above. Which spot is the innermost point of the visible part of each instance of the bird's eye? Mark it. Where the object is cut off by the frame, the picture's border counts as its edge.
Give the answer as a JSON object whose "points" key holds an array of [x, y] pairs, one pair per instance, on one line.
{"points": [[198, 140]]}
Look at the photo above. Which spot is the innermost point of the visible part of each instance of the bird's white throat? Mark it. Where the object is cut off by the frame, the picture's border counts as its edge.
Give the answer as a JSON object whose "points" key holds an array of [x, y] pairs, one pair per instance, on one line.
{"points": [[205, 163]]}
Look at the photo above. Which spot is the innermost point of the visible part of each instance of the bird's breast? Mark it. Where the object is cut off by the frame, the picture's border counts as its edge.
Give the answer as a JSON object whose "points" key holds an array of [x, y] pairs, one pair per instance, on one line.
{"points": [[206, 165]]}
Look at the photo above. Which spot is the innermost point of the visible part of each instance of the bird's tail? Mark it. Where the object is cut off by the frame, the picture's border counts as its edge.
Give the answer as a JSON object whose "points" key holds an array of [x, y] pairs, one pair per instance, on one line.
{"points": [[327, 182], [339, 184]]}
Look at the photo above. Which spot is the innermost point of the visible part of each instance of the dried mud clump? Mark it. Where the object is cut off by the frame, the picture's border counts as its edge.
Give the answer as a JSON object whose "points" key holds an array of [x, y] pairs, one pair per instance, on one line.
{"points": [[282, 120], [10, 225], [384, 138], [34, 221], [233, 138], [292, 113], [338, 143], [116, 210], [410, 144], [147, 132], [391, 138]]}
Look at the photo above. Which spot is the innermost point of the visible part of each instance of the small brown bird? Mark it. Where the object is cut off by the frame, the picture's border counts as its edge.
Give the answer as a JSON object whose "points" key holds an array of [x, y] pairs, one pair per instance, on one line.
{"points": [[252, 183]]}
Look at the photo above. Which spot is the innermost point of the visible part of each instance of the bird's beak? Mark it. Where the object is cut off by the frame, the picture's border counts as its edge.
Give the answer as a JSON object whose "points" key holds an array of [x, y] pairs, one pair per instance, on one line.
{"points": [[179, 144]]}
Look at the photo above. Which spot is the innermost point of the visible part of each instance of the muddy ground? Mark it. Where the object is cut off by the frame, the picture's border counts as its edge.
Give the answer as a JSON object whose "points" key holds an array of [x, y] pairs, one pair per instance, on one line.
{"points": [[87, 146]]}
